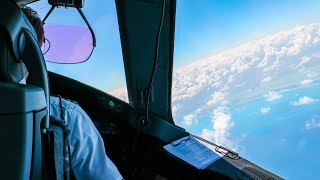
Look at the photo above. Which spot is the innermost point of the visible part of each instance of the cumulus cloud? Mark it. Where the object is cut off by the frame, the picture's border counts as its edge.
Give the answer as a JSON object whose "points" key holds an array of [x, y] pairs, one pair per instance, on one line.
{"points": [[265, 110], [313, 123], [222, 124], [207, 134], [306, 82], [267, 79], [239, 73], [191, 118], [303, 101], [175, 108], [272, 96], [271, 58], [216, 98]]}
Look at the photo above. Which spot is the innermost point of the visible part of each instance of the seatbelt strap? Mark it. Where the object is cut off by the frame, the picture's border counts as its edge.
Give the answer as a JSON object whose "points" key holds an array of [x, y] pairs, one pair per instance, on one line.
{"points": [[66, 131]]}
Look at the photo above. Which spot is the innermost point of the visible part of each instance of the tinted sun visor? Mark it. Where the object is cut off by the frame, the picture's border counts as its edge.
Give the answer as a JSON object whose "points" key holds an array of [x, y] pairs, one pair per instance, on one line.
{"points": [[67, 44]]}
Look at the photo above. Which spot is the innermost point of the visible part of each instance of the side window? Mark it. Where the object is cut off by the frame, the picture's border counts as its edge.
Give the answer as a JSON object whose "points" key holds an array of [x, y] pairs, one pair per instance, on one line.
{"points": [[246, 76], [104, 70]]}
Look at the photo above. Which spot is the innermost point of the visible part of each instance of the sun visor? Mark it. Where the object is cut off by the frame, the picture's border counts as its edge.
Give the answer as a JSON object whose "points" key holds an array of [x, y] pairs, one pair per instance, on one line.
{"points": [[67, 44]]}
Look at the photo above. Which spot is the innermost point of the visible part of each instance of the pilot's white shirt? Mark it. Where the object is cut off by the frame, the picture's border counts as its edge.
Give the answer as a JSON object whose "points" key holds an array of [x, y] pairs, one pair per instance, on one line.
{"points": [[88, 156]]}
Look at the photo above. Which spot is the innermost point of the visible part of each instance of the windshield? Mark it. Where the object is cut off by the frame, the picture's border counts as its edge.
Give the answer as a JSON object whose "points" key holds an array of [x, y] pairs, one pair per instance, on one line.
{"points": [[104, 69], [246, 76]]}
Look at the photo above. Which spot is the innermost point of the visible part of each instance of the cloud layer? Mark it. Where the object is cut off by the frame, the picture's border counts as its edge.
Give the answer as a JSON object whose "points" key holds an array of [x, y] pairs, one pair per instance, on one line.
{"points": [[256, 69], [260, 68]]}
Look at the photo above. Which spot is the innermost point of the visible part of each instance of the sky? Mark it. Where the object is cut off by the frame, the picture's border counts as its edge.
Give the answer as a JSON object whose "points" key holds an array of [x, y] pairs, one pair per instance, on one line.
{"points": [[209, 26]]}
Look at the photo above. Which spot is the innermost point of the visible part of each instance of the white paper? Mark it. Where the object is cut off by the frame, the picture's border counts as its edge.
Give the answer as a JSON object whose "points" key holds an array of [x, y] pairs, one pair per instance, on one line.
{"points": [[193, 152]]}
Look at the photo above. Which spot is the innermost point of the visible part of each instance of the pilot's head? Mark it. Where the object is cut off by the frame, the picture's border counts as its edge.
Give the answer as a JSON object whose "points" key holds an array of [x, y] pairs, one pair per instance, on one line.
{"points": [[35, 22]]}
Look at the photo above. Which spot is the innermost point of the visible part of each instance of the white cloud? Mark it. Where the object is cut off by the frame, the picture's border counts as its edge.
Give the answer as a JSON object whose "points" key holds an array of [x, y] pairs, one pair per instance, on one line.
{"points": [[274, 67], [120, 93], [215, 98], [313, 123], [272, 96], [207, 134], [303, 101], [265, 110], [306, 82], [175, 108], [305, 59], [267, 79], [191, 118], [222, 124], [269, 59]]}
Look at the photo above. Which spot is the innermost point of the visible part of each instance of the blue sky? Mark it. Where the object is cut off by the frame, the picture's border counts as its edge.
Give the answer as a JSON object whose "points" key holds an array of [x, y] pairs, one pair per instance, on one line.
{"points": [[209, 26]]}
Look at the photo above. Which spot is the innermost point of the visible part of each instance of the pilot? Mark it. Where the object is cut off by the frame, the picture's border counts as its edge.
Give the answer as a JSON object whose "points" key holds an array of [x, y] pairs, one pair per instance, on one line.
{"points": [[87, 152]]}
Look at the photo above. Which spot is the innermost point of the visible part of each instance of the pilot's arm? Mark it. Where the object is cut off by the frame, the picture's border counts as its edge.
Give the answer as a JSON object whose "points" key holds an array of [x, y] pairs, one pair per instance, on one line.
{"points": [[87, 152]]}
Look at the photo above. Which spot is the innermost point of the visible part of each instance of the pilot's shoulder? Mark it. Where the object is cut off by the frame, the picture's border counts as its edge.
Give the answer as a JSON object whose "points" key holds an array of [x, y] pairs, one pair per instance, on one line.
{"points": [[66, 104]]}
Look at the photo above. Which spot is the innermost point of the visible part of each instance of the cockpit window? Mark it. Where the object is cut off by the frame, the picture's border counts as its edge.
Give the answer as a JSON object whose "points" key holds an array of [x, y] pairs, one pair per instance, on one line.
{"points": [[246, 76], [104, 69]]}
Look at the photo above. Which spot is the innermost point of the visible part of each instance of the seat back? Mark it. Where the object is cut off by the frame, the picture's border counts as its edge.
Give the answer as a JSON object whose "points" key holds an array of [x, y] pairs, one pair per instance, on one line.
{"points": [[23, 108]]}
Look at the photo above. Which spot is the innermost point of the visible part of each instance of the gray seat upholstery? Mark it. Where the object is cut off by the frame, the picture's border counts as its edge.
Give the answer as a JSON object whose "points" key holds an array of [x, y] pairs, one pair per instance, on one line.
{"points": [[23, 108]]}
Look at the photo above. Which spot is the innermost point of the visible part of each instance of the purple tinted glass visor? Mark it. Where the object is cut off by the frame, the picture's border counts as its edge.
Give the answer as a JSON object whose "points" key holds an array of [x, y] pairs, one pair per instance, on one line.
{"points": [[67, 44]]}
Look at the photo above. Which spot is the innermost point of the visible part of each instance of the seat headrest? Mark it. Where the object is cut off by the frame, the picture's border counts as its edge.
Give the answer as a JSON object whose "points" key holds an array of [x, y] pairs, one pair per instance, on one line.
{"points": [[13, 24]]}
